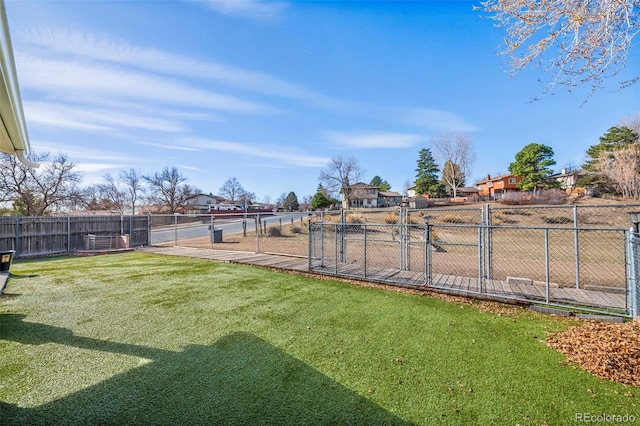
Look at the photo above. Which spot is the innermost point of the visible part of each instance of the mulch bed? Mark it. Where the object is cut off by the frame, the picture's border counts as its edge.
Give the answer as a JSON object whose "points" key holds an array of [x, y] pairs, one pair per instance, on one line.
{"points": [[608, 351]]}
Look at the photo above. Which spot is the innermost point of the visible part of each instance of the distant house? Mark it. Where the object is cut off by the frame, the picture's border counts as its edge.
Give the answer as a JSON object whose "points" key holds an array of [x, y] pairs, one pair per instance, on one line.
{"points": [[389, 199], [360, 195], [569, 179], [203, 203], [463, 191], [495, 188]]}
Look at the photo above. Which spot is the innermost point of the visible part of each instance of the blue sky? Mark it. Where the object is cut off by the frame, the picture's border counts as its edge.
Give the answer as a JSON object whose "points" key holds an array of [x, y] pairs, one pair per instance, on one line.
{"points": [[268, 91]]}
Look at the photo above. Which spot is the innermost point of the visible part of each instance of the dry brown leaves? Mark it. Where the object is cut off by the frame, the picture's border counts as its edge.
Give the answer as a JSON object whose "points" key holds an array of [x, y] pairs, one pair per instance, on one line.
{"points": [[608, 351]]}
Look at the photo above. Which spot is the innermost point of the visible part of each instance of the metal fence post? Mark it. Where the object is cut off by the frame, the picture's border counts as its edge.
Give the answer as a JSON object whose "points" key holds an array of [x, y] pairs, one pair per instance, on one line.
{"points": [[480, 258], [337, 225], [576, 245], [400, 238], [633, 273], [365, 249], [211, 232], [546, 264], [258, 226], [343, 237], [175, 229], [309, 245], [489, 248], [427, 248]]}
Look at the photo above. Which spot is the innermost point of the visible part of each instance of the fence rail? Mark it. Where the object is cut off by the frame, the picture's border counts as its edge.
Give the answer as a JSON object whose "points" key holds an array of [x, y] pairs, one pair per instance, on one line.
{"points": [[35, 236]]}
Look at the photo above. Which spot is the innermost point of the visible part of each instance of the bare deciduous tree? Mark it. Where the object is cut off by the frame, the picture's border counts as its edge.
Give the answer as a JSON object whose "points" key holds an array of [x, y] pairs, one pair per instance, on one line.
{"points": [[576, 41], [110, 191], [232, 190], [133, 188], [35, 192], [340, 174], [168, 189], [622, 166], [121, 194], [455, 152]]}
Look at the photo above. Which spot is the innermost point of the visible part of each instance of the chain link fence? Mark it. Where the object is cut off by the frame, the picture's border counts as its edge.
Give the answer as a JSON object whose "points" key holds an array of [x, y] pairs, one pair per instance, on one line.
{"points": [[581, 268], [575, 256], [282, 233]]}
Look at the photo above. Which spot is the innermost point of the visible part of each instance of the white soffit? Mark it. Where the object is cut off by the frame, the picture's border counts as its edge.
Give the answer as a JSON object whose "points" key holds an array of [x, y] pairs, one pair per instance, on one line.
{"points": [[13, 130]]}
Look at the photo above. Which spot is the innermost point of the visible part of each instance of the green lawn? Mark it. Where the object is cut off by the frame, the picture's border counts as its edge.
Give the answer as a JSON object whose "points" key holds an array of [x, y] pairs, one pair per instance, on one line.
{"points": [[145, 339]]}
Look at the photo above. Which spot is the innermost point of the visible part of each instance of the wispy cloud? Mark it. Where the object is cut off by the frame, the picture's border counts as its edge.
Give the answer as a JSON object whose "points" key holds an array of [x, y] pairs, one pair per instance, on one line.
{"points": [[89, 118], [368, 140], [168, 146], [282, 155], [76, 152], [434, 119], [76, 44], [97, 167], [255, 10], [142, 62], [82, 78]]}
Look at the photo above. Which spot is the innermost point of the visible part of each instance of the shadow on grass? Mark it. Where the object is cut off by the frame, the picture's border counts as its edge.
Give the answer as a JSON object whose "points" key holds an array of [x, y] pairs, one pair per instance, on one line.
{"points": [[240, 379]]}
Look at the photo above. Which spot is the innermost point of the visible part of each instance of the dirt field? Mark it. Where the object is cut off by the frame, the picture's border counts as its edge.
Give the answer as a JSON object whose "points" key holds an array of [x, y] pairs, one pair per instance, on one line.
{"points": [[289, 243]]}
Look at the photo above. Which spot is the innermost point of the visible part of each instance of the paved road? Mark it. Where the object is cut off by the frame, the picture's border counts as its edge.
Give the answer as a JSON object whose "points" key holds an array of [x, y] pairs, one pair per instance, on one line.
{"points": [[231, 225]]}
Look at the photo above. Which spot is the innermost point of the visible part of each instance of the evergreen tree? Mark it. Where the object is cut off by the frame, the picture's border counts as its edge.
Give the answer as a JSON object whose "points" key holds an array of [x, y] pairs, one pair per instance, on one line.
{"points": [[383, 185], [533, 163], [615, 138], [427, 175], [321, 199], [291, 202]]}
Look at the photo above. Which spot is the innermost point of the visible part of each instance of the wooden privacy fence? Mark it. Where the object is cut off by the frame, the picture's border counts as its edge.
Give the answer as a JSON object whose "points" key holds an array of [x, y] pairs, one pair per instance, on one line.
{"points": [[35, 236]]}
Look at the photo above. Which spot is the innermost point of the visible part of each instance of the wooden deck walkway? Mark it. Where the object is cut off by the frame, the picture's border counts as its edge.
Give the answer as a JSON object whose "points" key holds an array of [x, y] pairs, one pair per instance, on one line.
{"points": [[454, 284]]}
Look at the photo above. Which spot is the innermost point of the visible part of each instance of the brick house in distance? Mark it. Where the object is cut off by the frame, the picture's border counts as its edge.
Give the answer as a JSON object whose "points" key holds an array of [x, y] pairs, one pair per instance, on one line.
{"points": [[495, 188]]}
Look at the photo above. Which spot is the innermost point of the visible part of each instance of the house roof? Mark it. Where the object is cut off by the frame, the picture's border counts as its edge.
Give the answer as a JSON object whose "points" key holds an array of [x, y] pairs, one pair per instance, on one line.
{"points": [[564, 173], [467, 189], [363, 185], [390, 194], [491, 179], [215, 197], [13, 135]]}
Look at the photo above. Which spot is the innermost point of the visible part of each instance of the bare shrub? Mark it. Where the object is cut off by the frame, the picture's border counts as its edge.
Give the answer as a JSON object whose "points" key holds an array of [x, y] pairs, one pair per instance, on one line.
{"points": [[295, 229], [391, 218], [520, 212], [274, 231], [415, 220], [551, 196], [500, 219], [557, 219], [452, 219], [354, 218], [515, 198]]}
